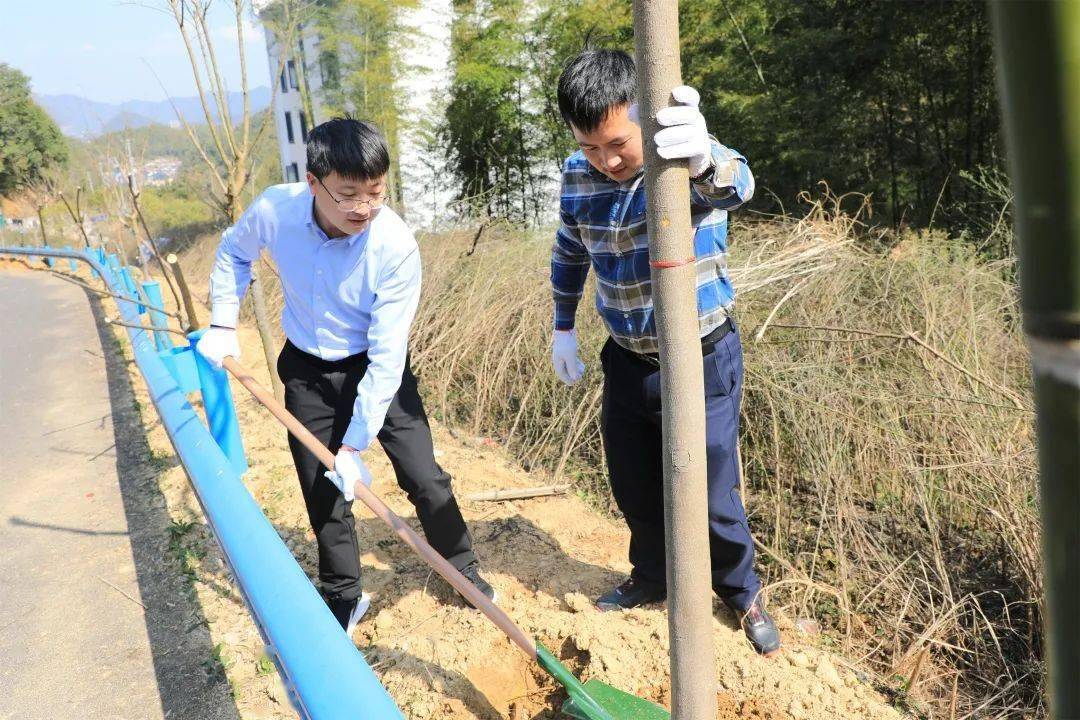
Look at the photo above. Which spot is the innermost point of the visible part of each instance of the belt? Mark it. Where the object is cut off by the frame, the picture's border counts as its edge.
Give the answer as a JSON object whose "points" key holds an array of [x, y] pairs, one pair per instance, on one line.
{"points": [[708, 343], [320, 363]]}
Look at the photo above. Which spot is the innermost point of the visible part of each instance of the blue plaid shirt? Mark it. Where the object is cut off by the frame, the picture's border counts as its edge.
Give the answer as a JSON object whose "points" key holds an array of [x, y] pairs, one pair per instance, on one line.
{"points": [[603, 223]]}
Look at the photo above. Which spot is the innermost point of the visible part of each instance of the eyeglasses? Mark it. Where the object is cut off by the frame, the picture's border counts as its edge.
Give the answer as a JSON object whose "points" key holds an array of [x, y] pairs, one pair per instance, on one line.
{"points": [[349, 205]]}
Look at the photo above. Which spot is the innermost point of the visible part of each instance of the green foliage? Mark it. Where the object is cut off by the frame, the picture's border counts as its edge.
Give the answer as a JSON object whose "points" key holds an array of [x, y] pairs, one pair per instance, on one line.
{"points": [[891, 100], [181, 209], [561, 31], [175, 210], [264, 665], [365, 33], [887, 99], [30, 142], [491, 129], [221, 655]]}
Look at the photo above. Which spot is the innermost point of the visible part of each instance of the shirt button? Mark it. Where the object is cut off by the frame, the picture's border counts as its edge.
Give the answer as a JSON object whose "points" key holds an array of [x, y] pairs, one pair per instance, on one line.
{"points": [[318, 272], [626, 315]]}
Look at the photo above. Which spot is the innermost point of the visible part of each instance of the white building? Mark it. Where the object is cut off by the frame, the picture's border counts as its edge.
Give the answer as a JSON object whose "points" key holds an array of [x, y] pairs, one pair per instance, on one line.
{"points": [[427, 187], [302, 63]]}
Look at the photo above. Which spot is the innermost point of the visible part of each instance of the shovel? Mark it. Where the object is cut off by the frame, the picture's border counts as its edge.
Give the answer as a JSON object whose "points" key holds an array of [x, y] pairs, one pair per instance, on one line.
{"points": [[593, 700]]}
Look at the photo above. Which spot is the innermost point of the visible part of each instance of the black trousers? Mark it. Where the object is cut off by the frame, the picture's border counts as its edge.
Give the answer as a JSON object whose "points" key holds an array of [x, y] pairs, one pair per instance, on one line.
{"points": [[631, 429], [321, 393]]}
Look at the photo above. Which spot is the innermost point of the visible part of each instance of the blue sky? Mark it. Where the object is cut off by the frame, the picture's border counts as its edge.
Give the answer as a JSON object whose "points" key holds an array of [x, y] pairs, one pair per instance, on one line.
{"points": [[100, 49]]}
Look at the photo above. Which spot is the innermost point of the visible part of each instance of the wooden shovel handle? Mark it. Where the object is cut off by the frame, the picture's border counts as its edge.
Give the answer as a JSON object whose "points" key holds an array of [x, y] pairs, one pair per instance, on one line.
{"points": [[427, 553]]}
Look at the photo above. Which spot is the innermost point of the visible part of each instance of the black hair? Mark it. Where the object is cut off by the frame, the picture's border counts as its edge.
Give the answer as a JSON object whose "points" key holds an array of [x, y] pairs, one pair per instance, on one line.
{"points": [[352, 148], [594, 82]]}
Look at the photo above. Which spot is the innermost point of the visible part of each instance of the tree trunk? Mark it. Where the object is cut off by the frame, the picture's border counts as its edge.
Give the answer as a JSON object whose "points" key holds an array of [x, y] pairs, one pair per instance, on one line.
{"points": [[1039, 51], [890, 144], [153, 244], [674, 283], [193, 322], [41, 226], [921, 193], [969, 93], [258, 302]]}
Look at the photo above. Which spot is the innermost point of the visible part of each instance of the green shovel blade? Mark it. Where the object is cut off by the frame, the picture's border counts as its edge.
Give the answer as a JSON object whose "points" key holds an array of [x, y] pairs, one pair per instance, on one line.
{"points": [[595, 700], [616, 703]]}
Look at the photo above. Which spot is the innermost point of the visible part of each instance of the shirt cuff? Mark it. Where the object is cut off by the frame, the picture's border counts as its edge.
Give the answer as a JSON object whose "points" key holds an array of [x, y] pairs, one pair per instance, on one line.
{"points": [[723, 177], [565, 315], [356, 436], [719, 180], [225, 314]]}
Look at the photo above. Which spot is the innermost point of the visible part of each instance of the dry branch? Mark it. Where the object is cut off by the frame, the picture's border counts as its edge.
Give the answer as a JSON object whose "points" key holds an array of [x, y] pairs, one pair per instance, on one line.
{"points": [[517, 493]]}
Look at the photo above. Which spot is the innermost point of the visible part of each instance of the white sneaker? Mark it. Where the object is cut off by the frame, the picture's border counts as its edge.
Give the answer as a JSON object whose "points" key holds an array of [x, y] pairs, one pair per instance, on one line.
{"points": [[349, 617], [362, 605]]}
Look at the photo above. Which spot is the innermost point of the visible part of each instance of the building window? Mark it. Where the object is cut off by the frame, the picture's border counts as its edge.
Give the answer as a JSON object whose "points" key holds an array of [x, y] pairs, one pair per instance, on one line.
{"points": [[284, 88], [292, 75], [288, 127], [303, 126], [292, 173], [328, 69]]}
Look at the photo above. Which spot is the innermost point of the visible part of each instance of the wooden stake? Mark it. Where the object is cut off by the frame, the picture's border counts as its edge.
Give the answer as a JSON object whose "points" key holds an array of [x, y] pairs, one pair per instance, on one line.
{"points": [[258, 301], [150, 238], [674, 283], [193, 323]]}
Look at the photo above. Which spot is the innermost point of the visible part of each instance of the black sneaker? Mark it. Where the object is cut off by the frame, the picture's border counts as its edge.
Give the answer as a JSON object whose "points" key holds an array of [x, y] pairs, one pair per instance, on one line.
{"points": [[759, 627], [631, 594], [349, 612], [472, 574]]}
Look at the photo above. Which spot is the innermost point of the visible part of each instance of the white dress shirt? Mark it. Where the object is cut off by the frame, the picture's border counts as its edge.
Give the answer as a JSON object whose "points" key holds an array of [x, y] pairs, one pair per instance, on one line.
{"points": [[343, 296]]}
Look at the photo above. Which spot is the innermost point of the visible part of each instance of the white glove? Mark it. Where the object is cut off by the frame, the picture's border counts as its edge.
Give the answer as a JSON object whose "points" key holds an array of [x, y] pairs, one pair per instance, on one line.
{"points": [[564, 356], [348, 468], [685, 134], [217, 343]]}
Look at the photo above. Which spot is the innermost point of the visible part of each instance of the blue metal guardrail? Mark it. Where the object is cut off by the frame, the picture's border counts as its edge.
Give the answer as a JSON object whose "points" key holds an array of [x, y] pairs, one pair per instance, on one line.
{"points": [[326, 676]]}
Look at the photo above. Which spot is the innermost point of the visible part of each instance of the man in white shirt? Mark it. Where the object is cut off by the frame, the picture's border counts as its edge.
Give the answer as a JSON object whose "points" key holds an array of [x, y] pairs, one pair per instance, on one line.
{"points": [[350, 274]]}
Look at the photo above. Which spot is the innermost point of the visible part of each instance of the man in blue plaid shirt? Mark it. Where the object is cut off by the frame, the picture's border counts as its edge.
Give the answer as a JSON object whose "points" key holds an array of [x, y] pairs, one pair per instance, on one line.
{"points": [[602, 212]]}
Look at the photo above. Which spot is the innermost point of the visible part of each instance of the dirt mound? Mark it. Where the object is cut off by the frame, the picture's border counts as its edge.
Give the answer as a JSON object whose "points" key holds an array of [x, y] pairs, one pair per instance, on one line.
{"points": [[546, 557]]}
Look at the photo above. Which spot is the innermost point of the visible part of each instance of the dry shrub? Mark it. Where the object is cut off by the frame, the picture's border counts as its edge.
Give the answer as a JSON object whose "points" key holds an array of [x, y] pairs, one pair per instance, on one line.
{"points": [[888, 438]]}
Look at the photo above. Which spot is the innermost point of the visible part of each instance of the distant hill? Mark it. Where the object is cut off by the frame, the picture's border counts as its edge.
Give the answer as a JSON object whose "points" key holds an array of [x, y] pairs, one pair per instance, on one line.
{"points": [[83, 118]]}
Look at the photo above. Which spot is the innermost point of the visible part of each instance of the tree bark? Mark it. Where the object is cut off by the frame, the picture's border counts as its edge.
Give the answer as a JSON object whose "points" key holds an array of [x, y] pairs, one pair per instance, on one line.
{"points": [[258, 302], [193, 323], [76, 215], [674, 283], [41, 226], [153, 243], [1038, 48]]}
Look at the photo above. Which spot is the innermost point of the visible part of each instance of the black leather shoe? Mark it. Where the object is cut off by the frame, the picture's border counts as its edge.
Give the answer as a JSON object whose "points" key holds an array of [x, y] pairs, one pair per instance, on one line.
{"points": [[631, 594], [759, 627], [472, 574]]}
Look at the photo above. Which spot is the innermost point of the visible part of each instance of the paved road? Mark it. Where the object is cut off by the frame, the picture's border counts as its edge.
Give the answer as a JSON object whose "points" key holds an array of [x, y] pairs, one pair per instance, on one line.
{"points": [[93, 624]]}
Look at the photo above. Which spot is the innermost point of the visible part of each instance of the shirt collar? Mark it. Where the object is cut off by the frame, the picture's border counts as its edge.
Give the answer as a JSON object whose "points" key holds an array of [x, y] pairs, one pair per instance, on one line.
{"points": [[309, 220], [599, 176]]}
